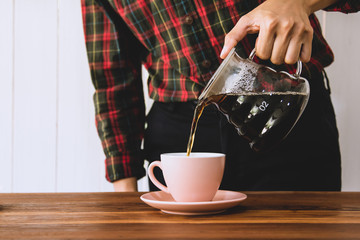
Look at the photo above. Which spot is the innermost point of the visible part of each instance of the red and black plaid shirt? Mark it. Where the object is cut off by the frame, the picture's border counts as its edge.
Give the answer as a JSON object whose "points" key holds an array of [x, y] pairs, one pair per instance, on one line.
{"points": [[179, 43]]}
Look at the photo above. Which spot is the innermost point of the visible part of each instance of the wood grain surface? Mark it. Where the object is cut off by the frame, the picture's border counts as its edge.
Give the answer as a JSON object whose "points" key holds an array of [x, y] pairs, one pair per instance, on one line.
{"points": [[263, 215]]}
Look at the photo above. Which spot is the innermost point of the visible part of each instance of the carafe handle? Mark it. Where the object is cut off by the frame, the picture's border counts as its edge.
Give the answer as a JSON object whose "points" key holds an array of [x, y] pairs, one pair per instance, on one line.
{"points": [[298, 68]]}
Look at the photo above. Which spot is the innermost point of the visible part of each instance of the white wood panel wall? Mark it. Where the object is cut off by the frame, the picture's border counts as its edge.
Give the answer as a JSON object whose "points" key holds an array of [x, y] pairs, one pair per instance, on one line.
{"points": [[48, 140], [6, 96], [79, 156], [35, 95]]}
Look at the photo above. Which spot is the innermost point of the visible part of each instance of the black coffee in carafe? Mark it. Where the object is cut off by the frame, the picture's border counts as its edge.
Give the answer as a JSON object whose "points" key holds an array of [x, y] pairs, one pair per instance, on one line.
{"points": [[264, 119], [262, 103]]}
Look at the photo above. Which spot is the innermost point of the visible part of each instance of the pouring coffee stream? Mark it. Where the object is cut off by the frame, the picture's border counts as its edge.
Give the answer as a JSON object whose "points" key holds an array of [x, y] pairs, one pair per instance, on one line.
{"points": [[262, 104]]}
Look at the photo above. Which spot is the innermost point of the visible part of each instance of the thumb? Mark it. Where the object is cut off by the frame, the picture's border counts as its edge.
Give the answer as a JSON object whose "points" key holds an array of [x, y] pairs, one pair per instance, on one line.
{"points": [[239, 31]]}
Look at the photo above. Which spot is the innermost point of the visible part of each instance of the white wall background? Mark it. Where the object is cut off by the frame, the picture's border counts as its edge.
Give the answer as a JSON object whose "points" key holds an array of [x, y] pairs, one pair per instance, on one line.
{"points": [[48, 140]]}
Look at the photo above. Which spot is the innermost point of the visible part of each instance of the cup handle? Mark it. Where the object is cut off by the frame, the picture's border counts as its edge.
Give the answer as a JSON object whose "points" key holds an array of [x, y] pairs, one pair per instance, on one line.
{"points": [[153, 178]]}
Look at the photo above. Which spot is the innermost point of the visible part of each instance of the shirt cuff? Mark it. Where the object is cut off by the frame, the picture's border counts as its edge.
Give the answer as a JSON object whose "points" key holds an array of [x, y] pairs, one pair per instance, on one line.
{"points": [[125, 166]]}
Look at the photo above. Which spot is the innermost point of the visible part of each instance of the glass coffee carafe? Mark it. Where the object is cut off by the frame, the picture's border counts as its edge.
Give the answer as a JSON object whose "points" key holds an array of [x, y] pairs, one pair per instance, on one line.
{"points": [[261, 103]]}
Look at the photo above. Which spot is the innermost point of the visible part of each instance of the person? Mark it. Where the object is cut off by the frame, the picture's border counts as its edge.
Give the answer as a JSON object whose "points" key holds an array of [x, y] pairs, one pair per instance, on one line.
{"points": [[181, 44]]}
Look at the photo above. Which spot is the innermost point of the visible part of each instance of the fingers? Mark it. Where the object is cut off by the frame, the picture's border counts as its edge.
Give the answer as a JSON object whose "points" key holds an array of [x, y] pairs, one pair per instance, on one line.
{"points": [[230, 42], [306, 49], [240, 30], [300, 45], [284, 42], [285, 32], [266, 39], [279, 41], [274, 40], [293, 52]]}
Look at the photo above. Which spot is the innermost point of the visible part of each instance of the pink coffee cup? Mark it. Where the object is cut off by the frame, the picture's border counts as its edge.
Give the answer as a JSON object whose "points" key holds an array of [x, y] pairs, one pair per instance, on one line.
{"points": [[194, 178]]}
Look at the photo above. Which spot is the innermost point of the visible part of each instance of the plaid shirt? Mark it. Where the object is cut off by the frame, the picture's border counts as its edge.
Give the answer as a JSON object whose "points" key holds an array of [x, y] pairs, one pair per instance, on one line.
{"points": [[179, 43]]}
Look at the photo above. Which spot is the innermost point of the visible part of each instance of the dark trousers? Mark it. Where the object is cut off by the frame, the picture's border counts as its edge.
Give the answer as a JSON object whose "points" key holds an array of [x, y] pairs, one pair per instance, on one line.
{"points": [[307, 160]]}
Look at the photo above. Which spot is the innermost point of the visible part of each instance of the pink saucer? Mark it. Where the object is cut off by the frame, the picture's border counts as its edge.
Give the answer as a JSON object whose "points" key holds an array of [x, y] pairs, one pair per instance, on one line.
{"points": [[222, 201]]}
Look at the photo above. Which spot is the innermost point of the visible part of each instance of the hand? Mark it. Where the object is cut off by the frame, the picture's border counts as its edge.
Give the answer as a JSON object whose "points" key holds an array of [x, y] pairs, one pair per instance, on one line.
{"points": [[285, 33], [125, 185]]}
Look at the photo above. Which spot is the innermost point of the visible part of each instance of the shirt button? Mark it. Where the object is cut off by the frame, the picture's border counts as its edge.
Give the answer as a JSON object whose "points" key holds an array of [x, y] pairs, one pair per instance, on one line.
{"points": [[206, 63], [189, 20]]}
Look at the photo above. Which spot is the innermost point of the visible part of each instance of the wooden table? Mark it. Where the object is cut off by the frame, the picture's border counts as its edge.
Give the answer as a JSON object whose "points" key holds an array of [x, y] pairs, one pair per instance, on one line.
{"points": [[263, 215]]}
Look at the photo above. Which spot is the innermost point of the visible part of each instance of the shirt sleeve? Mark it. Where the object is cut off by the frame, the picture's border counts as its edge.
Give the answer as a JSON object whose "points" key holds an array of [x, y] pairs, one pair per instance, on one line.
{"points": [[118, 98], [345, 6]]}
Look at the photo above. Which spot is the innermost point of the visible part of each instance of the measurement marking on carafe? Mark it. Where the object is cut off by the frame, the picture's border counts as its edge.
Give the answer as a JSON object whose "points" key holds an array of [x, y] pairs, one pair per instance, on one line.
{"points": [[263, 106]]}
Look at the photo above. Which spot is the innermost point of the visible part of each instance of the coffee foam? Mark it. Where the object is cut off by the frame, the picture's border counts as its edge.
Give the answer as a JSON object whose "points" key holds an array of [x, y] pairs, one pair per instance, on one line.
{"points": [[239, 78]]}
